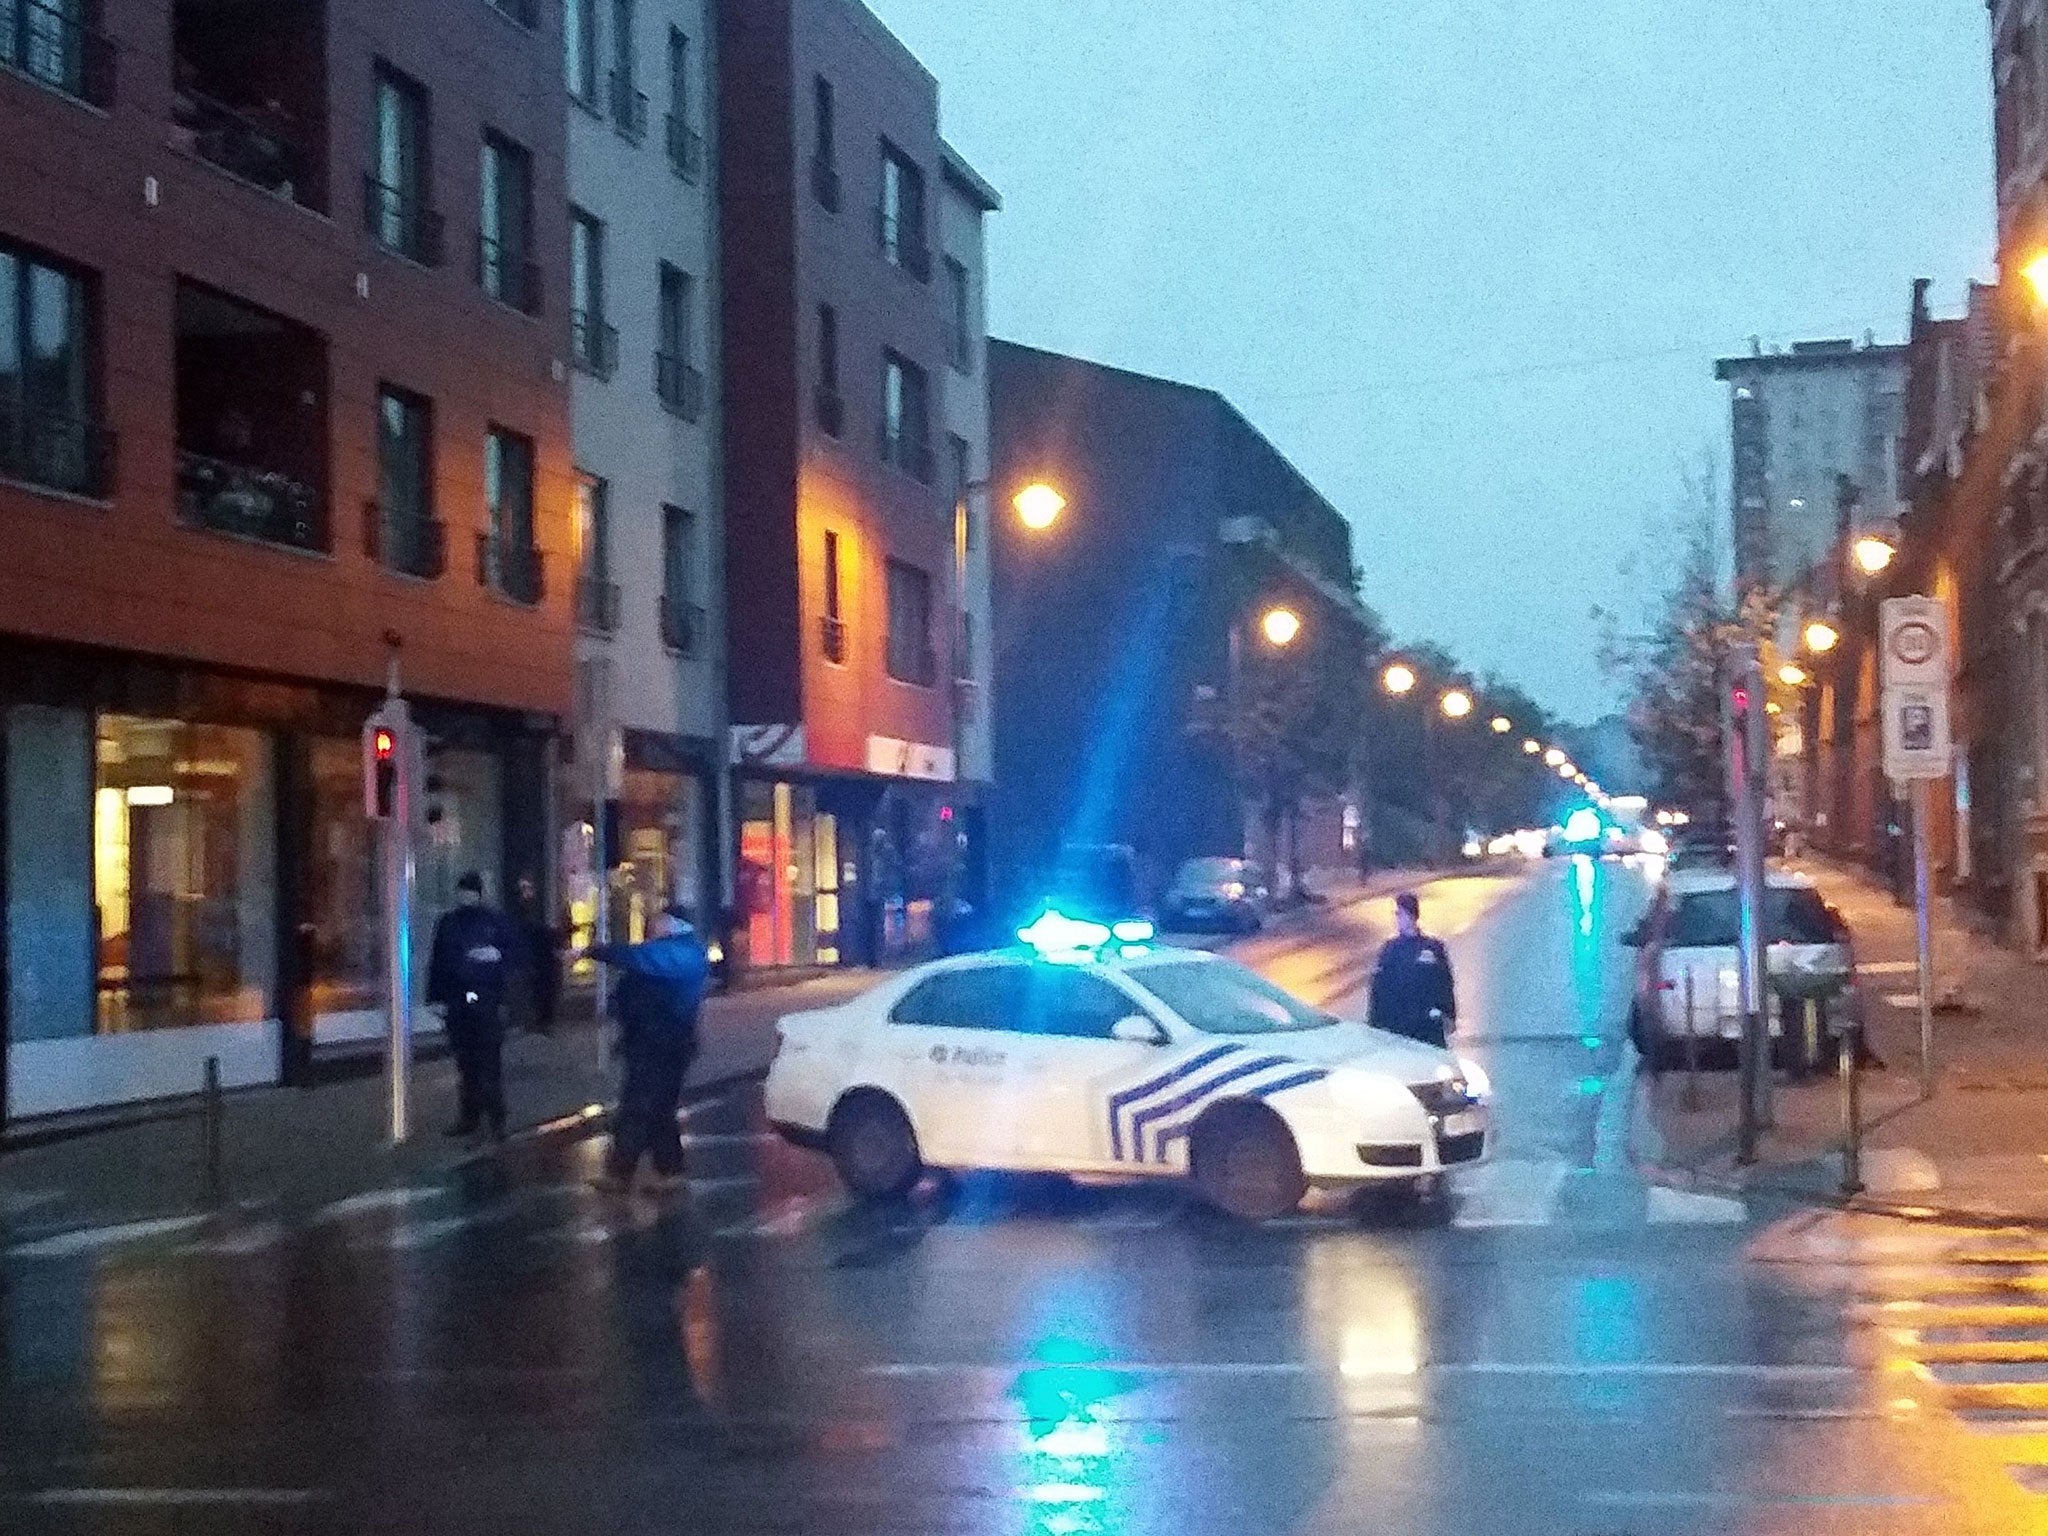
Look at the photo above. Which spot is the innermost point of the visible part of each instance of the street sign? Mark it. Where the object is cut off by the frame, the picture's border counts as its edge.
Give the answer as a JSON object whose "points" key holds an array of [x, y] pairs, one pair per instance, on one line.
{"points": [[1915, 649]]}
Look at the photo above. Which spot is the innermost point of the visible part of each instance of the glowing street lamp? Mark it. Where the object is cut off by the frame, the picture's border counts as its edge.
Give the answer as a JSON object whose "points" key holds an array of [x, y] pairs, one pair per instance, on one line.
{"points": [[1398, 679], [1792, 675], [1872, 553], [1456, 704], [1280, 626], [1567, 771], [1532, 746], [2036, 274], [1502, 725], [1821, 637], [1038, 506], [1554, 758]]}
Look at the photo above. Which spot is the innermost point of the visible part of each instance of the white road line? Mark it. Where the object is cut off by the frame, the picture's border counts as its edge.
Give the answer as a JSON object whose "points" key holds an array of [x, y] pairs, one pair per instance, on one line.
{"points": [[1684, 1207], [373, 1200], [1536, 1369], [419, 1234], [1510, 1193], [175, 1497], [245, 1241], [65, 1245]]}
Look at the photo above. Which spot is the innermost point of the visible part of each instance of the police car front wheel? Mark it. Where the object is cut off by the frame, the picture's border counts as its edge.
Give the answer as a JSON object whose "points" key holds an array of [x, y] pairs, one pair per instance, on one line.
{"points": [[873, 1146], [1246, 1163]]}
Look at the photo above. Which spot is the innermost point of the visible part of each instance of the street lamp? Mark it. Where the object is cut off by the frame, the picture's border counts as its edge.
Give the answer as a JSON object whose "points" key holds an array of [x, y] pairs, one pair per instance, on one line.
{"points": [[1554, 758], [1038, 506], [1872, 553], [1398, 679], [2036, 274], [1532, 746], [1502, 725], [1567, 771], [1280, 626], [1792, 675], [1821, 637], [1456, 704]]}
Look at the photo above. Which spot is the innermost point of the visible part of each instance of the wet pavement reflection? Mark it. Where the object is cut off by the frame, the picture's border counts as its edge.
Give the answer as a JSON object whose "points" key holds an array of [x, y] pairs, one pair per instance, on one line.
{"points": [[1555, 1348]]}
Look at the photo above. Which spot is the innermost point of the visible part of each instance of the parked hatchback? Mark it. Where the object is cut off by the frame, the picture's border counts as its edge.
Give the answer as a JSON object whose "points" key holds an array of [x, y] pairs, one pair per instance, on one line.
{"points": [[1688, 969], [1218, 893]]}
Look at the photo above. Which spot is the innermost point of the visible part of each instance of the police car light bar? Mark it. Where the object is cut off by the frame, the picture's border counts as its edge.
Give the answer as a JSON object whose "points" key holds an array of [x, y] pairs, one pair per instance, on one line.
{"points": [[1052, 932]]}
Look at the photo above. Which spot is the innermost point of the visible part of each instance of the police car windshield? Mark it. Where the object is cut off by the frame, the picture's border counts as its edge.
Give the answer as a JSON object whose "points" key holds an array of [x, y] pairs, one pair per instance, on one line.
{"points": [[1219, 997]]}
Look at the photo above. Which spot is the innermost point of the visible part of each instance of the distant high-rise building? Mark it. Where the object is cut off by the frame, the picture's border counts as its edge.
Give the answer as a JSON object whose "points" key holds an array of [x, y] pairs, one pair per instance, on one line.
{"points": [[1813, 435]]}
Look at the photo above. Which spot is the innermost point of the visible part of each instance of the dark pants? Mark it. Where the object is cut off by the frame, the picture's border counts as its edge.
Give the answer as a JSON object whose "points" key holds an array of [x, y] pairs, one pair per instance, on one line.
{"points": [[649, 1101], [476, 1037], [1426, 1028]]}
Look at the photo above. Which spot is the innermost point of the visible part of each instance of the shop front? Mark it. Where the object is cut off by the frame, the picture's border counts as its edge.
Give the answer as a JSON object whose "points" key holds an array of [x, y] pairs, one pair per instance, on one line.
{"points": [[188, 873]]}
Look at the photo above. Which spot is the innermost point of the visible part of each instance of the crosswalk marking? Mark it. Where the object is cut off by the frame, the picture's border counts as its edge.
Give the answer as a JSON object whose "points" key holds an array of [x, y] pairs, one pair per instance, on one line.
{"points": [[1510, 1193], [65, 1245], [373, 1200]]}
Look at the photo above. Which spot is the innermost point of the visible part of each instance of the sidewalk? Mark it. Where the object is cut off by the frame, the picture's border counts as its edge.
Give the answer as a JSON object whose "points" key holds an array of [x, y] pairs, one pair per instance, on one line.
{"points": [[298, 1148], [1977, 1148]]}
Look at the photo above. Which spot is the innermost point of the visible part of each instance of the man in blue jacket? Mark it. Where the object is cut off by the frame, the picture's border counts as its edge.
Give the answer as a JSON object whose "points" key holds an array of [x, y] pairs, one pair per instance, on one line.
{"points": [[661, 986]]}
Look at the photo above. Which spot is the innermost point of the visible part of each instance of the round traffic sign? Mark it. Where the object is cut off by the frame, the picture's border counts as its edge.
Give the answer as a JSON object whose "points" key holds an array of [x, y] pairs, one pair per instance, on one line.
{"points": [[1914, 643]]}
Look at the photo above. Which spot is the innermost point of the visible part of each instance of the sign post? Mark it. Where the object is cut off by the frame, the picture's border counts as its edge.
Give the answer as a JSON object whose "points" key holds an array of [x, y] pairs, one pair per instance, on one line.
{"points": [[1917, 750], [1747, 766]]}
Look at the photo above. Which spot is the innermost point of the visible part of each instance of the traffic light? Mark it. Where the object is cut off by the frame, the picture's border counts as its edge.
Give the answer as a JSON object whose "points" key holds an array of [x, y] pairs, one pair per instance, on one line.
{"points": [[385, 737]]}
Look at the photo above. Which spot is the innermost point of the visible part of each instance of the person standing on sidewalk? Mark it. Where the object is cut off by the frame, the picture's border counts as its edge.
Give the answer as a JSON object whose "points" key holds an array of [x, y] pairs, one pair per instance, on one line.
{"points": [[1413, 992], [661, 986], [471, 961], [540, 961]]}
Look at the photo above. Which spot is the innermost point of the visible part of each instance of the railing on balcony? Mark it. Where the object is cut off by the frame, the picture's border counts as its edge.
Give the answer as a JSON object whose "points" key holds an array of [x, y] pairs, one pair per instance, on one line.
{"points": [[830, 406], [510, 569], [912, 455], [903, 244], [57, 49], [593, 345], [506, 275], [683, 625], [241, 143], [629, 107], [400, 223], [59, 453], [680, 386], [525, 12], [825, 183], [832, 638], [409, 542], [685, 149], [597, 603], [248, 501]]}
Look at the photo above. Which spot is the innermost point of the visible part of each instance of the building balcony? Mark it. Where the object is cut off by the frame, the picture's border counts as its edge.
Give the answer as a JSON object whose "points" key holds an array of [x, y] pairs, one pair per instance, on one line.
{"points": [[58, 453], [409, 542], [684, 626], [593, 345], [825, 183], [504, 273], [830, 408], [832, 639], [904, 245], [685, 149], [629, 107], [57, 50], [512, 570], [680, 386], [597, 603], [912, 455], [248, 501], [244, 144], [400, 223]]}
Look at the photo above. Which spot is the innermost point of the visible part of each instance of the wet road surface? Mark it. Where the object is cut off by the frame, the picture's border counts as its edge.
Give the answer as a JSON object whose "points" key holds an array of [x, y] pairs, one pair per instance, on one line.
{"points": [[1555, 1348]]}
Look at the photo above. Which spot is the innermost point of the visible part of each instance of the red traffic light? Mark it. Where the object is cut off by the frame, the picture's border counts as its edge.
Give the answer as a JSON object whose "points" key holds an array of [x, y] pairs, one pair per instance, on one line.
{"points": [[383, 744], [1741, 698]]}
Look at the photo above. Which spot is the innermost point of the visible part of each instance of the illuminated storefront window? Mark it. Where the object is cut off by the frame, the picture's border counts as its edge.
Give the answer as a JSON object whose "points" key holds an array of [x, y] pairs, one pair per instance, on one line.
{"points": [[786, 886]]}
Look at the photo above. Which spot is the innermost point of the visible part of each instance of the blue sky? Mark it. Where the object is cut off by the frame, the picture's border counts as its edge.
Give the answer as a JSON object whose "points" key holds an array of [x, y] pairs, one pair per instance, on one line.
{"points": [[1469, 263]]}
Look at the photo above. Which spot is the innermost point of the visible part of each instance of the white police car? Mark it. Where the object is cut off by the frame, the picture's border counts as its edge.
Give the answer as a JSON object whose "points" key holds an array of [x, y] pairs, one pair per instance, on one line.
{"points": [[1095, 1054]]}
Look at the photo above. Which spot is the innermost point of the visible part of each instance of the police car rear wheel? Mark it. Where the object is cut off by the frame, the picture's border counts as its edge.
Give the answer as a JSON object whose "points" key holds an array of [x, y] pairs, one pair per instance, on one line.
{"points": [[1246, 1164], [874, 1147]]}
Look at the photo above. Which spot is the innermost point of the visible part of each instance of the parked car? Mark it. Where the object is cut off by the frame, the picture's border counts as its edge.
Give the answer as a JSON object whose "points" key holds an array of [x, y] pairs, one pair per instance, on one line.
{"points": [[1701, 849], [1227, 894], [1688, 947], [1119, 1061]]}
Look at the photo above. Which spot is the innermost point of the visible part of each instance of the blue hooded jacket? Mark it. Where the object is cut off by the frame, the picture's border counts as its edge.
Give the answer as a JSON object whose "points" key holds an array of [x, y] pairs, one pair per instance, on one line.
{"points": [[662, 984]]}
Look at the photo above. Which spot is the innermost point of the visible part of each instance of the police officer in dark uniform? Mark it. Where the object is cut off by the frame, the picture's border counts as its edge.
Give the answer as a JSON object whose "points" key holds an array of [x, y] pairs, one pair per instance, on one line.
{"points": [[1412, 989], [474, 949]]}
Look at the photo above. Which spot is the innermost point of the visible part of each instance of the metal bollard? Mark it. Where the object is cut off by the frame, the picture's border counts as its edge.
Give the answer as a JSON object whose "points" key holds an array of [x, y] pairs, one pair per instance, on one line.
{"points": [[1810, 1058], [209, 1118], [1692, 1045], [1848, 1049]]}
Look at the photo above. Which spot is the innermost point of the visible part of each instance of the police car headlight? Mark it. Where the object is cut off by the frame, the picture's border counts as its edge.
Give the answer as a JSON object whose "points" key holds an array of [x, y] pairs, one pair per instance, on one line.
{"points": [[1476, 1078], [1366, 1093]]}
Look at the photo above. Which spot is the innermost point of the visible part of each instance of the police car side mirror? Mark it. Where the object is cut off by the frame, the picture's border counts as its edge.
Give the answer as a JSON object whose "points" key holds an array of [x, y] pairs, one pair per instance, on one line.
{"points": [[1138, 1030]]}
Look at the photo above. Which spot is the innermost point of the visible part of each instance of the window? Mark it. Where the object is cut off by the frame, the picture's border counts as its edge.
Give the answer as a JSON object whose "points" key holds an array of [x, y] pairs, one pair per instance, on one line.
{"points": [[629, 104], [676, 378], [592, 343], [685, 144], [829, 405], [50, 41], [901, 223], [1220, 997], [579, 49], [911, 659], [1071, 1004], [395, 190], [1712, 919], [597, 595], [405, 533], [682, 618], [959, 298], [183, 873], [906, 417], [833, 625], [506, 202], [980, 997], [824, 149], [49, 409], [506, 558]]}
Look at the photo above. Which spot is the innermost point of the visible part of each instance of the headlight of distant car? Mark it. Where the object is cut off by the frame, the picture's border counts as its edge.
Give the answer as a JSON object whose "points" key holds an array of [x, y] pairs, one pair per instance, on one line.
{"points": [[1234, 891], [1476, 1078]]}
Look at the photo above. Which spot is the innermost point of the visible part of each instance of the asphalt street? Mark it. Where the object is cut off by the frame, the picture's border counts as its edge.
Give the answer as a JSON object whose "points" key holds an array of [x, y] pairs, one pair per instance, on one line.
{"points": [[1558, 1346]]}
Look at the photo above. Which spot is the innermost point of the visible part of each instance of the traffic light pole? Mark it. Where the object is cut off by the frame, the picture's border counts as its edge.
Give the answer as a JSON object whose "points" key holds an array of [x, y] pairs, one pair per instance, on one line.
{"points": [[390, 776], [1746, 760]]}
